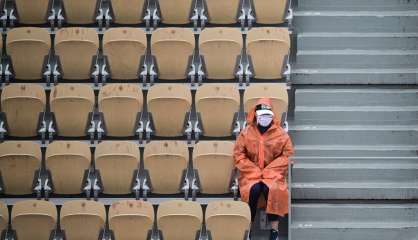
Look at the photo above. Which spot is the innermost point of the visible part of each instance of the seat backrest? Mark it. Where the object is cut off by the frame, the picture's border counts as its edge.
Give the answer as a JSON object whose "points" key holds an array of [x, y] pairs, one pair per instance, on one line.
{"points": [[124, 48], [172, 48], [82, 219], [128, 11], [71, 105], [22, 104], [268, 47], [80, 11], [34, 219], [223, 12], [76, 48], [181, 14], [165, 161], [168, 104], [117, 161], [232, 215], [27, 48], [67, 162], [131, 219], [277, 93], [270, 11], [220, 48], [179, 219], [217, 104], [214, 163], [4, 216], [120, 104], [32, 12]]}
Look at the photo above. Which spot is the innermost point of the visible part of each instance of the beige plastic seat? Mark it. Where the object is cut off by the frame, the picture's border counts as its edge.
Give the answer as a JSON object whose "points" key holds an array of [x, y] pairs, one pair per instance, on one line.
{"points": [[268, 47], [67, 161], [270, 11], [220, 48], [80, 11], [82, 219], [277, 93], [117, 161], [71, 105], [181, 15], [128, 11], [131, 219], [76, 47], [214, 163], [217, 104], [232, 215], [165, 161], [34, 219], [172, 48], [120, 104], [32, 12], [22, 104], [27, 48], [223, 12], [179, 219], [4, 216], [124, 48]]}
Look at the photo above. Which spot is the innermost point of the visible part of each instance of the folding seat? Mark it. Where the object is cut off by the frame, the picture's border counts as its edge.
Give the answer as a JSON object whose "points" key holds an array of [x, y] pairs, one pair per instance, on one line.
{"points": [[117, 162], [232, 215], [34, 219], [120, 105], [67, 162], [181, 15], [270, 11], [217, 105], [220, 48], [124, 48], [168, 104], [22, 104], [4, 217], [128, 11], [214, 163], [223, 12], [172, 49], [32, 12], [179, 220], [80, 11], [71, 105], [82, 219], [27, 48], [76, 48], [268, 48], [166, 161], [131, 219], [277, 93]]}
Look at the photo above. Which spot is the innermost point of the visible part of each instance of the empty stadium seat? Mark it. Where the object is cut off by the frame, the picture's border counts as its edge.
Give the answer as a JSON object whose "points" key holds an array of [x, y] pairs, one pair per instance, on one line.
{"points": [[117, 162], [124, 48], [172, 48], [76, 48], [80, 11], [120, 104], [165, 162], [220, 48], [22, 104], [27, 48], [179, 220], [34, 219], [277, 93], [4, 217], [223, 12], [270, 11], [67, 161], [268, 48], [175, 11], [168, 104], [232, 215], [131, 219], [82, 219], [32, 12], [217, 104], [214, 162], [71, 105], [128, 11]]}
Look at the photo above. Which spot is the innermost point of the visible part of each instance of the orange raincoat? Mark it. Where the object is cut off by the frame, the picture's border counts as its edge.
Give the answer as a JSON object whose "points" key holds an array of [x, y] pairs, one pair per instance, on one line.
{"points": [[264, 158]]}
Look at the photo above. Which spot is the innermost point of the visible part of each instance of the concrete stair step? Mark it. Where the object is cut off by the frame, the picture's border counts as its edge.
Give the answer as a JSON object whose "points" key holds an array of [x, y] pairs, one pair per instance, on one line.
{"points": [[355, 162], [371, 5], [353, 150]]}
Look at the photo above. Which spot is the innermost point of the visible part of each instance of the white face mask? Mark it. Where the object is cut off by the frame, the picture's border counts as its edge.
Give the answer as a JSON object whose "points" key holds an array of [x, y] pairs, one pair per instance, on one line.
{"points": [[264, 120]]}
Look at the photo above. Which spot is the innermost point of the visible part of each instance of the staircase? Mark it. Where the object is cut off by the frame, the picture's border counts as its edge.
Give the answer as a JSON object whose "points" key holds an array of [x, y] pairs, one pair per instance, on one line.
{"points": [[355, 125]]}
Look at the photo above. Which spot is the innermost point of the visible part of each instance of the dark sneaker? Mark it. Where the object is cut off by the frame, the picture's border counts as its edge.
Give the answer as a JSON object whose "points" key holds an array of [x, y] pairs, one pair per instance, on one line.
{"points": [[274, 235]]}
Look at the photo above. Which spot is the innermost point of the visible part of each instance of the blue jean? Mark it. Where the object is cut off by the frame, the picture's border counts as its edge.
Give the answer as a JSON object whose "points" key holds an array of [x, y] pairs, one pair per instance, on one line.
{"points": [[255, 192]]}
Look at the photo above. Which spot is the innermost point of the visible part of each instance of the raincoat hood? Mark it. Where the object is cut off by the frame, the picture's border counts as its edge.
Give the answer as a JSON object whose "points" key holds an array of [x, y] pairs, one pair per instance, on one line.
{"points": [[251, 118]]}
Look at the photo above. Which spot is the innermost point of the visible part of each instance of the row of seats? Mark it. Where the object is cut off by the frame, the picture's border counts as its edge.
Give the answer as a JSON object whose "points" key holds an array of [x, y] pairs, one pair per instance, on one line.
{"points": [[120, 104], [173, 49], [68, 161], [128, 219]]}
